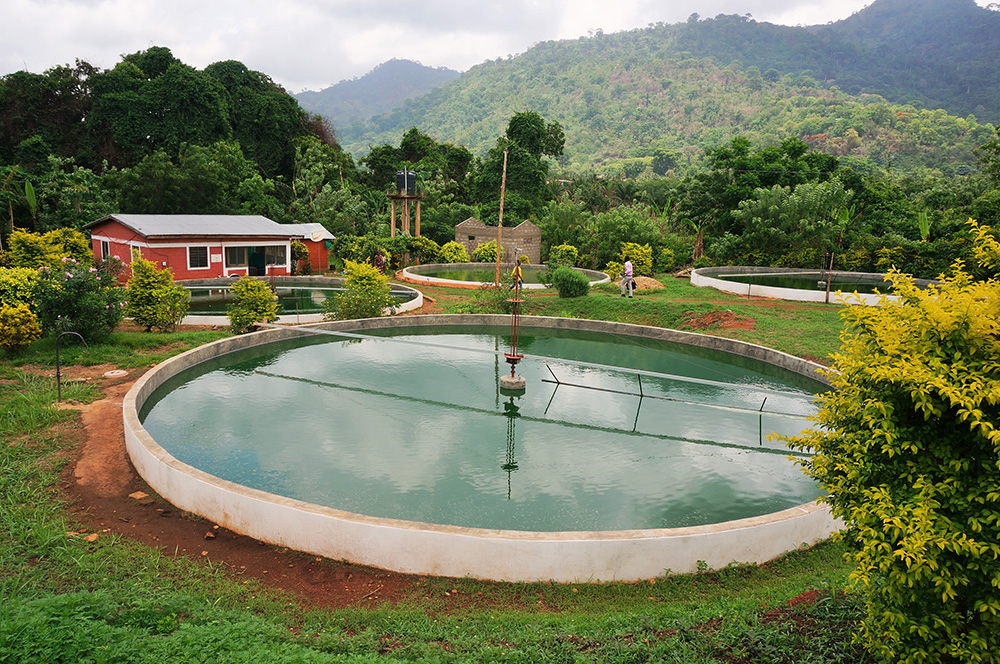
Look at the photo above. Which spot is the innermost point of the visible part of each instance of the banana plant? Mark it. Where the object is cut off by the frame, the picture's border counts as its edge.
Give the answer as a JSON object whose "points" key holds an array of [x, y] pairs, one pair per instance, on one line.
{"points": [[924, 224]]}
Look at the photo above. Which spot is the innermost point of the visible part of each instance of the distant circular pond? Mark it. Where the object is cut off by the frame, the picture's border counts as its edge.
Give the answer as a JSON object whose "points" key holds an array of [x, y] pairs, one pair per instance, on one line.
{"points": [[800, 285], [420, 431], [477, 274], [295, 296]]}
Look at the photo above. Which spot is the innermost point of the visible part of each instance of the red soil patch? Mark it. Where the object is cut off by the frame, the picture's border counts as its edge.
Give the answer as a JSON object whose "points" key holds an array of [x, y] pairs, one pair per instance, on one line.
{"points": [[721, 319]]}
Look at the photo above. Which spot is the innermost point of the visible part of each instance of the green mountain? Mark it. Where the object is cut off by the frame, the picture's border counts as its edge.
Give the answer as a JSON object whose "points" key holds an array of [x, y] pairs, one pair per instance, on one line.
{"points": [[932, 53], [856, 88], [382, 89]]}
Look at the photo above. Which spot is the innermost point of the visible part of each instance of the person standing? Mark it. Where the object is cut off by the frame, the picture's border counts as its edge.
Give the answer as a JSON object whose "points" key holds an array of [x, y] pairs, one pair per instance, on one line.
{"points": [[627, 279]]}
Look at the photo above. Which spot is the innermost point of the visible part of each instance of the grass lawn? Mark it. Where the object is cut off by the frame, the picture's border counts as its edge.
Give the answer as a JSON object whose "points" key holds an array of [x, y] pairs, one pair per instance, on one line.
{"points": [[66, 599]]}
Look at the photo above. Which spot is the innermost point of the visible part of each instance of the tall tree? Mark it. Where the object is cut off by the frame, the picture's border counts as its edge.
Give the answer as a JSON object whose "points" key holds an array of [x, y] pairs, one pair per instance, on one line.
{"points": [[527, 141]]}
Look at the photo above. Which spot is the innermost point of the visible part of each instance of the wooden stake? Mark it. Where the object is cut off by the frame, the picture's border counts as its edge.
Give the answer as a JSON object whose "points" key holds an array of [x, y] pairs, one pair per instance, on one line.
{"points": [[503, 187]]}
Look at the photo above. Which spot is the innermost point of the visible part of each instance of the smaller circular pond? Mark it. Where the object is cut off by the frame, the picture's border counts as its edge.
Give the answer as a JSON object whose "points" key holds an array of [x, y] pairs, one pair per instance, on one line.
{"points": [[475, 275], [800, 285], [300, 299]]}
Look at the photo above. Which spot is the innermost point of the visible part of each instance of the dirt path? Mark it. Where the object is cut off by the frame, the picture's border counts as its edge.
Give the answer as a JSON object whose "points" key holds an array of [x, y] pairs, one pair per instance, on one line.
{"points": [[109, 497]]}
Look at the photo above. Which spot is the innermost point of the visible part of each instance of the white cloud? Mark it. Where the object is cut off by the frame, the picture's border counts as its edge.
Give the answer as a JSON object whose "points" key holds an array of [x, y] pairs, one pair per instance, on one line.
{"points": [[310, 44]]}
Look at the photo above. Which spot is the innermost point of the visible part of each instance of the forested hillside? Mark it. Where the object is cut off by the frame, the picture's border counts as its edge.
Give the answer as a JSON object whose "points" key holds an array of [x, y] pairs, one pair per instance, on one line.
{"points": [[926, 53], [684, 88], [696, 162], [382, 89]]}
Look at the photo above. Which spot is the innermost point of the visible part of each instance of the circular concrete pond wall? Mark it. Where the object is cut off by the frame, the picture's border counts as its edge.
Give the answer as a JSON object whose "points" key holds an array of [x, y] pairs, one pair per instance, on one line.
{"points": [[453, 550], [800, 285], [302, 298]]}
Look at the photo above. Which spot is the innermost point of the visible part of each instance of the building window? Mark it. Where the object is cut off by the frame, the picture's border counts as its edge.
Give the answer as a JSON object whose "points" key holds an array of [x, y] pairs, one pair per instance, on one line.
{"points": [[197, 258], [236, 256], [274, 255], [105, 249]]}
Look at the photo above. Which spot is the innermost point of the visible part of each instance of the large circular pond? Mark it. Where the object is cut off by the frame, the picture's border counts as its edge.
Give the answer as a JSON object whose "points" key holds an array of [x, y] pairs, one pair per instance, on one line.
{"points": [[623, 438], [421, 433]]}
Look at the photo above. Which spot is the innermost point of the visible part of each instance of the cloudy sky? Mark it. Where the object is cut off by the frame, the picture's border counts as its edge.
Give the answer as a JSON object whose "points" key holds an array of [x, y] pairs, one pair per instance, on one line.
{"points": [[311, 44]]}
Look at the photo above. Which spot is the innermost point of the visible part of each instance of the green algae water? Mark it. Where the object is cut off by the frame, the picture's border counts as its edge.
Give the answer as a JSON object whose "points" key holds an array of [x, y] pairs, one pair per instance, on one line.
{"points": [[846, 282], [486, 275], [302, 299], [423, 433]]}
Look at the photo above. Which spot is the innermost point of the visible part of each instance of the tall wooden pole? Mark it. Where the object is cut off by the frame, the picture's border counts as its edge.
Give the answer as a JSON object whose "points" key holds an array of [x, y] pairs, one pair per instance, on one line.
{"points": [[503, 187]]}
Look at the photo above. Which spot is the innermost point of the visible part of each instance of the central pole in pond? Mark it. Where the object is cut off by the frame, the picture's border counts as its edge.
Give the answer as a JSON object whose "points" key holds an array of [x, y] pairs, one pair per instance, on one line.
{"points": [[514, 383]]}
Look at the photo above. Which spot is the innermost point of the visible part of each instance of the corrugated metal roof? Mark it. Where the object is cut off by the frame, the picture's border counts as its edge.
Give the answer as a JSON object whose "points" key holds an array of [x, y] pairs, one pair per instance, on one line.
{"points": [[163, 225], [314, 232]]}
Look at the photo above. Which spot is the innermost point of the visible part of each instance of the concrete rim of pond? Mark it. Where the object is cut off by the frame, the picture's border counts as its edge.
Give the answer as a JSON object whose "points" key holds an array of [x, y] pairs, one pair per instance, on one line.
{"points": [[287, 319], [714, 277], [412, 275], [452, 551]]}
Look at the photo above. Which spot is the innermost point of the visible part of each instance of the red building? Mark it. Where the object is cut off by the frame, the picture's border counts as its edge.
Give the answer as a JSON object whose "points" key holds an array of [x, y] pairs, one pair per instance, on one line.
{"points": [[317, 239], [198, 246]]}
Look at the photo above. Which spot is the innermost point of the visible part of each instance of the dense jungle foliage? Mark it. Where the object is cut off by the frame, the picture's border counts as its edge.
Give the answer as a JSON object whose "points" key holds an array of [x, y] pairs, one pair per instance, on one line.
{"points": [[702, 163]]}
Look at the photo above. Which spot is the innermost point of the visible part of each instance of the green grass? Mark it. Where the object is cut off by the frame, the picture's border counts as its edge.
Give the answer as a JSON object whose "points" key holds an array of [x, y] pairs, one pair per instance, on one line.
{"points": [[63, 599], [803, 329]]}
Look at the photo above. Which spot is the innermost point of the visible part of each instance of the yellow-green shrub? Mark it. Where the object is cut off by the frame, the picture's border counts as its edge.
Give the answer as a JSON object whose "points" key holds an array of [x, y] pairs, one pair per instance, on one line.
{"points": [[641, 256], [153, 299], [486, 252], [32, 250], [253, 303], [454, 252], [563, 254], [615, 270], [17, 285], [18, 327], [908, 449], [366, 294]]}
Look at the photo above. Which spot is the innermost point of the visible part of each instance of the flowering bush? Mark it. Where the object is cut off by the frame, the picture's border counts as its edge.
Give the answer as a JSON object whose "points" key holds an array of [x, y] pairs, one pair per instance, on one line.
{"points": [[75, 298], [154, 300], [18, 327], [254, 303], [366, 294]]}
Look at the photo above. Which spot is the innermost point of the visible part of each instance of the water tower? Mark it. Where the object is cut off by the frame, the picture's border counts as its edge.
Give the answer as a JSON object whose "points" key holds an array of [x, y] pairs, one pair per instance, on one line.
{"points": [[406, 191]]}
